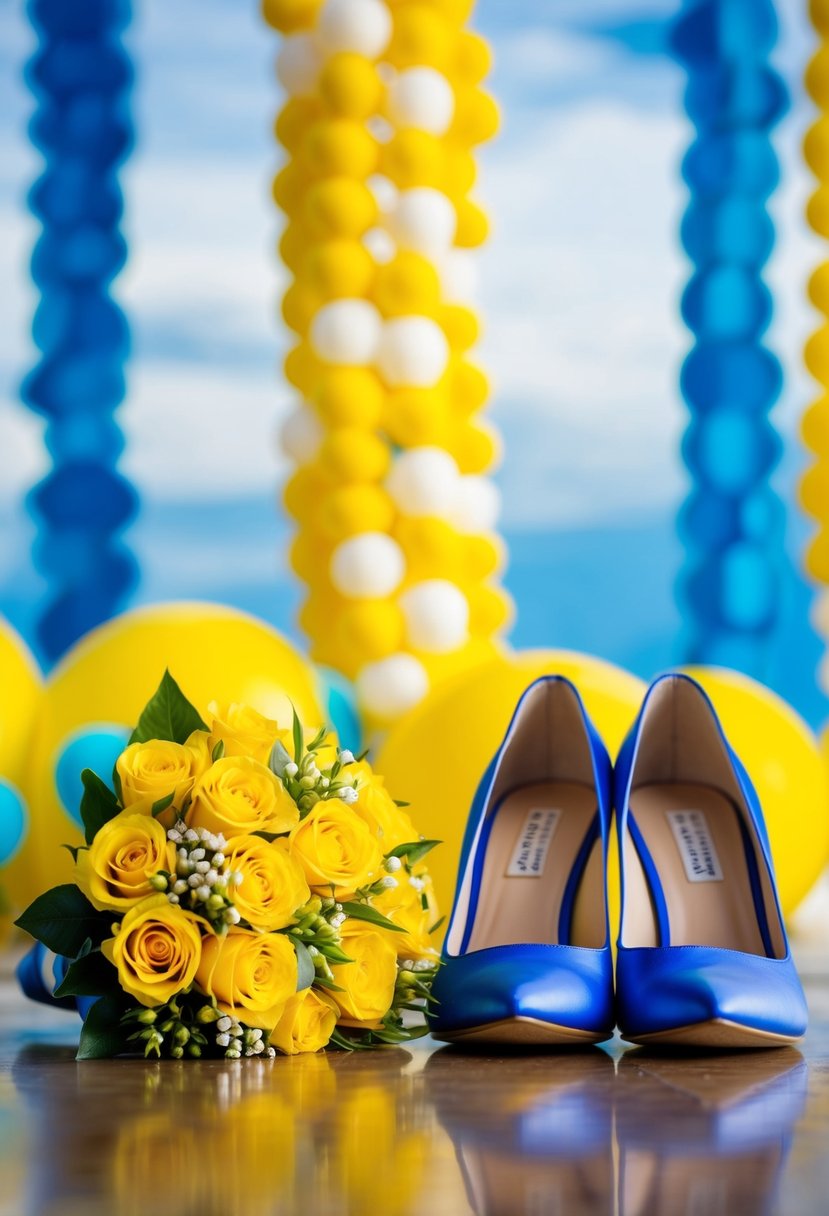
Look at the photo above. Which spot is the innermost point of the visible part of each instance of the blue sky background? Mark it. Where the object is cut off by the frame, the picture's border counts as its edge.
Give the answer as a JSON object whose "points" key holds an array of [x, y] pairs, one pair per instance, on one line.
{"points": [[579, 289]]}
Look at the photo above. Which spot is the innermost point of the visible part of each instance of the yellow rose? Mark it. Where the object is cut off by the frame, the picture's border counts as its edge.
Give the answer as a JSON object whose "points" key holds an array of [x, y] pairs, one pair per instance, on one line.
{"points": [[404, 905], [335, 849], [307, 1023], [273, 883], [251, 975], [368, 981], [114, 872], [388, 822], [157, 950], [243, 730], [237, 796], [151, 771]]}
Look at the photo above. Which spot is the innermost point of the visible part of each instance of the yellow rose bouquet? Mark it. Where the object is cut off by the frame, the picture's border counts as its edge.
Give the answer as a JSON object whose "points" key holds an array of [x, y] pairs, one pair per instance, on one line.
{"points": [[243, 890]]}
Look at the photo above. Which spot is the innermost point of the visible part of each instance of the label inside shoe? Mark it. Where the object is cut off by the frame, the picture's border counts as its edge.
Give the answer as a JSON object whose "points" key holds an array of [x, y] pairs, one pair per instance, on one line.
{"points": [[529, 854], [696, 846]]}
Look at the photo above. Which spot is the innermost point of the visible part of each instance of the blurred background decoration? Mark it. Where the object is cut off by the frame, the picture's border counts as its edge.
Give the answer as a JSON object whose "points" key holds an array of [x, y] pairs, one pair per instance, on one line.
{"points": [[626, 542]]}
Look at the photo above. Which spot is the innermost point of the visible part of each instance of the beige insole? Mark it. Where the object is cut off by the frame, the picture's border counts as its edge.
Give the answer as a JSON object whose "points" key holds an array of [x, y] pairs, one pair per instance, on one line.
{"points": [[535, 838], [678, 823]]}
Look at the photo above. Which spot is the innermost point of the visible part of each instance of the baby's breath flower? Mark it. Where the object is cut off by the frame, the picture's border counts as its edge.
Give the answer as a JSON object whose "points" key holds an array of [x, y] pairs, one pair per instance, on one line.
{"points": [[346, 756], [348, 794], [392, 864]]}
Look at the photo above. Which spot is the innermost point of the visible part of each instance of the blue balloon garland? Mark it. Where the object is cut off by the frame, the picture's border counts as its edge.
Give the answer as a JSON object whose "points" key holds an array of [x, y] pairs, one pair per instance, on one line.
{"points": [[81, 76], [732, 522]]}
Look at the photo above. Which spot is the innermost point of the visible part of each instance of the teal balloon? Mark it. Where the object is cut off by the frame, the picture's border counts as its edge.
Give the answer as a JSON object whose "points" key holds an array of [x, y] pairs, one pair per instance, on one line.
{"points": [[342, 713], [14, 820], [96, 747]]}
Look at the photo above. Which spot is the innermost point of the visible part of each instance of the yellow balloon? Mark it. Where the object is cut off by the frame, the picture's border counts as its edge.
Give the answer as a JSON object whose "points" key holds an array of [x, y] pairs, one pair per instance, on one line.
{"points": [[784, 761], [349, 396], [464, 720], [95, 695], [288, 16], [21, 700], [415, 416]]}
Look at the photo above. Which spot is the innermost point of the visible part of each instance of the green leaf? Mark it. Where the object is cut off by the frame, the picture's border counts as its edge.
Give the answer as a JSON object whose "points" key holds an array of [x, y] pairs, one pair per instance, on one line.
{"points": [[218, 751], [73, 849], [90, 975], [102, 1035], [366, 912], [63, 919], [116, 784], [322, 981], [269, 836], [98, 804], [414, 850], [333, 953], [306, 971], [317, 739], [299, 737], [278, 759], [167, 715], [399, 802], [160, 806], [434, 928]]}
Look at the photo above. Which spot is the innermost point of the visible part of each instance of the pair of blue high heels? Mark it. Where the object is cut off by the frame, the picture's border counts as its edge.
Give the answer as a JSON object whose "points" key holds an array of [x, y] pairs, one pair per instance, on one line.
{"points": [[702, 958]]}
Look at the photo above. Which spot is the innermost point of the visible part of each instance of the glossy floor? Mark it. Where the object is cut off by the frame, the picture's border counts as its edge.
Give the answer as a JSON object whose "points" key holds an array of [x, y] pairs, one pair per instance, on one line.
{"points": [[427, 1130]]}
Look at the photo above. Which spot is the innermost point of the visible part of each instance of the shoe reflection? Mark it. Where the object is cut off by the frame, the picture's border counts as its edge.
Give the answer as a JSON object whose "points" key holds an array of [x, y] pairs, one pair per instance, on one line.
{"points": [[706, 1135], [532, 1133], [312, 1134]]}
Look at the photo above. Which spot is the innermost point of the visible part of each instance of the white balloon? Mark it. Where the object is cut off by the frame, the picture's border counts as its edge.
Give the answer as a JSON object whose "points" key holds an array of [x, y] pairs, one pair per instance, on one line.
{"points": [[369, 565], [412, 352], [459, 277], [477, 504], [347, 331], [390, 686], [301, 434], [423, 98], [384, 190], [423, 220], [380, 245], [437, 616], [362, 26], [424, 481], [298, 65]]}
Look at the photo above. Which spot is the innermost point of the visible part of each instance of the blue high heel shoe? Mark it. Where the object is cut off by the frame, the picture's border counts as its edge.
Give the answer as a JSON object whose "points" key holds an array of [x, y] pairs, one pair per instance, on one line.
{"points": [[527, 958], [703, 958]]}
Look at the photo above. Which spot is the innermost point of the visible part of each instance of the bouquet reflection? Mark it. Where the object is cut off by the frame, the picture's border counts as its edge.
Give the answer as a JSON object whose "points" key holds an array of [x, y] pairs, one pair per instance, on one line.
{"points": [[320, 1133]]}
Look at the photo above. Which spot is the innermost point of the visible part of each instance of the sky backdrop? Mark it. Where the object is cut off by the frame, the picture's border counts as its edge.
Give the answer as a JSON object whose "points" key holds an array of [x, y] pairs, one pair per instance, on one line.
{"points": [[579, 290]]}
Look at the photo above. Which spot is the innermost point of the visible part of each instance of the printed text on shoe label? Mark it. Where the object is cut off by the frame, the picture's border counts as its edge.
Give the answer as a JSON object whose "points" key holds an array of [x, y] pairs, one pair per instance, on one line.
{"points": [[530, 852], [696, 846]]}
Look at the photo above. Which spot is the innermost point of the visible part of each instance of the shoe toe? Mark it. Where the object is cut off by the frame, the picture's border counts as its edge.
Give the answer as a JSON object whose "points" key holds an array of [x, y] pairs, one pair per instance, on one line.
{"points": [[562, 985]]}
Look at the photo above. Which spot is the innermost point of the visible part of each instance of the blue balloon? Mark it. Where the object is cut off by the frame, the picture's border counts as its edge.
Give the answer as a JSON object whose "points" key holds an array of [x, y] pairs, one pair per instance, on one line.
{"points": [[732, 522], [81, 75], [14, 820], [96, 746]]}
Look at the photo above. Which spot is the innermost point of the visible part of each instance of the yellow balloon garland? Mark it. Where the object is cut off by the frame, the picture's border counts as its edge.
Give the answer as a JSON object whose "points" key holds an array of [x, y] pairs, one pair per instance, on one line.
{"points": [[394, 513], [814, 486]]}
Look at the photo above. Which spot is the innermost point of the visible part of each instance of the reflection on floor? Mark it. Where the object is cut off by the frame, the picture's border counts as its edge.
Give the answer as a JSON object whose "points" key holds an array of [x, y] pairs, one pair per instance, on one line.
{"points": [[400, 1133]]}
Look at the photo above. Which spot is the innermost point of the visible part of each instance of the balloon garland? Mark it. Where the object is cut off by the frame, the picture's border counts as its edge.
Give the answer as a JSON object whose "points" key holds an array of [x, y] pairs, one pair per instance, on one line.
{"points": [[732, 521], [814, 487], [394, 510], [81, 75]]}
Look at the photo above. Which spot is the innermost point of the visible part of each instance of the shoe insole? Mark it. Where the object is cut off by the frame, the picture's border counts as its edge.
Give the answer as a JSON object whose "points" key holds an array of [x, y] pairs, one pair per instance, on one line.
{"points": [[536, 848], [700, 867]]}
